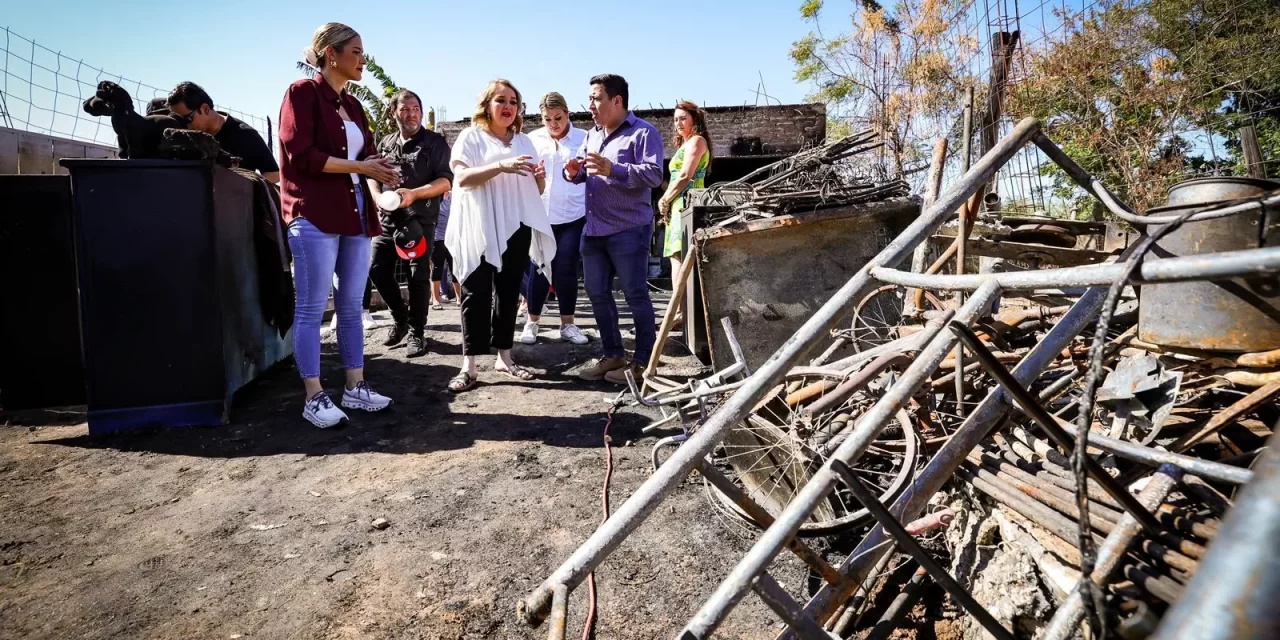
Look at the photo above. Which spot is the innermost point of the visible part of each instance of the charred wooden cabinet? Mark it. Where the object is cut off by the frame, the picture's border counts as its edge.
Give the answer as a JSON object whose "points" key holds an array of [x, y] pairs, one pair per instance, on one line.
{"points": [[39, 322], [170, 308]]}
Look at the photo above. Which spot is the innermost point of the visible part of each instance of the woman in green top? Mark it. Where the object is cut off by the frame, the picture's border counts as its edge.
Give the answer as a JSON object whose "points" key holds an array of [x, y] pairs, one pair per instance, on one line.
{"points": [[689, 168]]}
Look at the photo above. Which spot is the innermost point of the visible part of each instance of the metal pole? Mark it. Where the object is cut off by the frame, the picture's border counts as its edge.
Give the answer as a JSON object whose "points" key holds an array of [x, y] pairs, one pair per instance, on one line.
{"points": [[1067, 619], [909, 544], [786, 524], [900, 606], [932, 187], [967, 128], [1215, 266], [974, 430], [961, 235], [789, 610], [533, 609], [1155, 457], [557, 626], [1234, 593]]}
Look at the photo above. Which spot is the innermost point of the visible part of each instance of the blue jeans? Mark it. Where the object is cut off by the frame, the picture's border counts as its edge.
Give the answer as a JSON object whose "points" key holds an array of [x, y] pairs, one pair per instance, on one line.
{"points": [[625, 254], [564, 271], [317, 258]]}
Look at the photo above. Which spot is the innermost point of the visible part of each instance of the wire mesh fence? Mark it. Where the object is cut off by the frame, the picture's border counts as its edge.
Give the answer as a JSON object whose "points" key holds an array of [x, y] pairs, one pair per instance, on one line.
{"points": [[43, 91]]}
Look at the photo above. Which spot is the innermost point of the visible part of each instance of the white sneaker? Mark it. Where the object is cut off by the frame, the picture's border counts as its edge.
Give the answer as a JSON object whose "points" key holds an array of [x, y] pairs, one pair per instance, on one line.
{"points": [[367, 319], [333, 323], [572, 333], [321, 412], [530, 333], [364, 398]]}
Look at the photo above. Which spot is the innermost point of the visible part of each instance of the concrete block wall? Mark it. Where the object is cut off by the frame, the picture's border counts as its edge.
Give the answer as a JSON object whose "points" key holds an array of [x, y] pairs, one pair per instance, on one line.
{"points": [[744, 131]]}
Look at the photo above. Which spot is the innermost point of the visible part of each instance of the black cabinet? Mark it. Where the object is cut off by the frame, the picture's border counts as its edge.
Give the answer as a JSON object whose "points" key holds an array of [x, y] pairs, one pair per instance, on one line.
{"points": [[171, 318], [40, 363]]}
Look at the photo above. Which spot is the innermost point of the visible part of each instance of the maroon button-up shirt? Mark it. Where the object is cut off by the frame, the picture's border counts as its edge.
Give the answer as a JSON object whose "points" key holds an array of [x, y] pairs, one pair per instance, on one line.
{"points": [[310, 132]]}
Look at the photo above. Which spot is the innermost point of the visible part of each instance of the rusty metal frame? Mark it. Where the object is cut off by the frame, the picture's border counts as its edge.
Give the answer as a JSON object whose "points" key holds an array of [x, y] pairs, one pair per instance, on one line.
{"points": [[750, 573]]}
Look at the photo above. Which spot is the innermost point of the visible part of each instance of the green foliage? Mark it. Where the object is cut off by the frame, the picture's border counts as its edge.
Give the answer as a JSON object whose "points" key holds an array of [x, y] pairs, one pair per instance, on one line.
{"points": [[895, 70], [1133, 82]]}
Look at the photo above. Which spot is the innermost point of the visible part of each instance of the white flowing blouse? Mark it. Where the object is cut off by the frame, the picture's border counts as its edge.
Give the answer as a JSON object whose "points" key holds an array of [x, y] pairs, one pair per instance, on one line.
{"points": [[482, 218]]}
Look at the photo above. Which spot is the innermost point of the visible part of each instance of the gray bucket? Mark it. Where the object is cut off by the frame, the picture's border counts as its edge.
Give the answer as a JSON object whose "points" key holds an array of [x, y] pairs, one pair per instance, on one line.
{"points": [[1239, 315]]}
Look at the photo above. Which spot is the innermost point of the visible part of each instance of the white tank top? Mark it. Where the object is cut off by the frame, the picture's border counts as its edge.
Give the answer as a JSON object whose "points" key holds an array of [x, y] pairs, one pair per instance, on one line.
{"points": [[355, 142]]}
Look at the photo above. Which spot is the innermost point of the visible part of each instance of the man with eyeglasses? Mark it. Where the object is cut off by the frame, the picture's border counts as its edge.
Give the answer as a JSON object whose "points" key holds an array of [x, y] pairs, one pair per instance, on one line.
{"points": [[194, 108]]}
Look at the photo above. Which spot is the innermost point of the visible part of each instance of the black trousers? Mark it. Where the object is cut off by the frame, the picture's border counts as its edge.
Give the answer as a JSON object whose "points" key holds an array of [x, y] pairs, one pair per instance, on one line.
{"points": [[491, 297], [382, 271], [441, 262]]}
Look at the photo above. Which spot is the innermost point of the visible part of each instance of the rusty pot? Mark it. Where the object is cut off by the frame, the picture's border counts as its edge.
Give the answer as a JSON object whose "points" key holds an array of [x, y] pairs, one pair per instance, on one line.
{"points": [[1240, 315]]}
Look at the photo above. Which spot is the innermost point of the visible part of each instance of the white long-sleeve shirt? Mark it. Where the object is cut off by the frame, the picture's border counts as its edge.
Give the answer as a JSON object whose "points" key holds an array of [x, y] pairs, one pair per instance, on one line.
{"points": [[563, 200]]}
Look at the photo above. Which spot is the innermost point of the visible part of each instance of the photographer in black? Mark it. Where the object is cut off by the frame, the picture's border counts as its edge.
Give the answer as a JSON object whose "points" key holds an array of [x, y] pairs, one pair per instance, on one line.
{"points": [[409, 219]]}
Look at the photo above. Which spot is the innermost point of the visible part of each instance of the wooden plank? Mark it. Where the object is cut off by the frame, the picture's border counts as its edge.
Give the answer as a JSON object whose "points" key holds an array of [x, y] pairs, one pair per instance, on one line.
{"points": [[669, 318], [66, 149], [1252, 152], [8, 151], [35, 155]]}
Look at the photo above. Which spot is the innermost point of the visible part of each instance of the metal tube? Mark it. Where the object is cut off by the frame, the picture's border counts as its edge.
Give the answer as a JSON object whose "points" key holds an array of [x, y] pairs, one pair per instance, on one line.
{"points": [[909, 544], [900, 606], [1011, 459], [1214, 266], [1067, 619], [846, 617], [789, 610], [1060, 499], [1099, 191], [974, 429], [736, 584], [557, 626], [1234, 593], [1031, 407], [1155, 457], [1029, 508], [658, 486], [734, 345]]}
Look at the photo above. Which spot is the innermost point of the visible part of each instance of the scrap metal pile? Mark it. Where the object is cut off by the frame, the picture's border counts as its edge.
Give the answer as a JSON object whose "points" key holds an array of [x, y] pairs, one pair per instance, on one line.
{"points": [[836, 174], [1092, 441]]}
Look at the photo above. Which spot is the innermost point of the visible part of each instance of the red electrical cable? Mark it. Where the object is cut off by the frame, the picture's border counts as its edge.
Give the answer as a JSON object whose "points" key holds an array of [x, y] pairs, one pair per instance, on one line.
{"points": [[590, 624]]}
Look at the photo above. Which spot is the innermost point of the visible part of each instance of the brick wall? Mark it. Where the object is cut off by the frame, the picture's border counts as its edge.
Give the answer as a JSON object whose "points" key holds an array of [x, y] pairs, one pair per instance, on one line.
{"points": [[735, 131]]}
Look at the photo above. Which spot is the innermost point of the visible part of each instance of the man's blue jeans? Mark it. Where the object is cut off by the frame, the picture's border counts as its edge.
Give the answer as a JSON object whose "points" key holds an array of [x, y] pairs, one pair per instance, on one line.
{"points": [[625, 254]]}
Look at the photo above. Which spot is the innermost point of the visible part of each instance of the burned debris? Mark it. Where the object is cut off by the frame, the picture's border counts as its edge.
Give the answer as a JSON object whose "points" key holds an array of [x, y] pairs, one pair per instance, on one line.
{"points": [[826, 176], [1091, 434]]}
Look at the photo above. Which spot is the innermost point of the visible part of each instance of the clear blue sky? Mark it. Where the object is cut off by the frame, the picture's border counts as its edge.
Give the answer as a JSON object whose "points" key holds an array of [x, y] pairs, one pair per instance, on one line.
{"points": [[244, 53]]}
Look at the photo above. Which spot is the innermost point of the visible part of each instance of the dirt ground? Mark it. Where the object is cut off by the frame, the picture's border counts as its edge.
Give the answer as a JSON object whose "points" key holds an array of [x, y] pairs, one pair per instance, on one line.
{"points": [[262, 528]]}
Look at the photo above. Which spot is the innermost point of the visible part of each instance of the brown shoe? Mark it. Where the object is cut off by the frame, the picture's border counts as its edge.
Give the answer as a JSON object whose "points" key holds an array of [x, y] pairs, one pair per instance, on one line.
{"points": [[601, 368], [619, 376]]}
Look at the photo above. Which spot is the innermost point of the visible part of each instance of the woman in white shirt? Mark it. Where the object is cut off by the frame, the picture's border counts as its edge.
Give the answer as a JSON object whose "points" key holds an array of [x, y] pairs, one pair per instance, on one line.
{"points": [[566, 205], [496, 226]]}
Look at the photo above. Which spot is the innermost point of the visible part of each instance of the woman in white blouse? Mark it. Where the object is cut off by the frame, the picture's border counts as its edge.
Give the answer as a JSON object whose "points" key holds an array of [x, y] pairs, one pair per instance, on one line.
{"points": [[497, 224], [566, 205]]}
